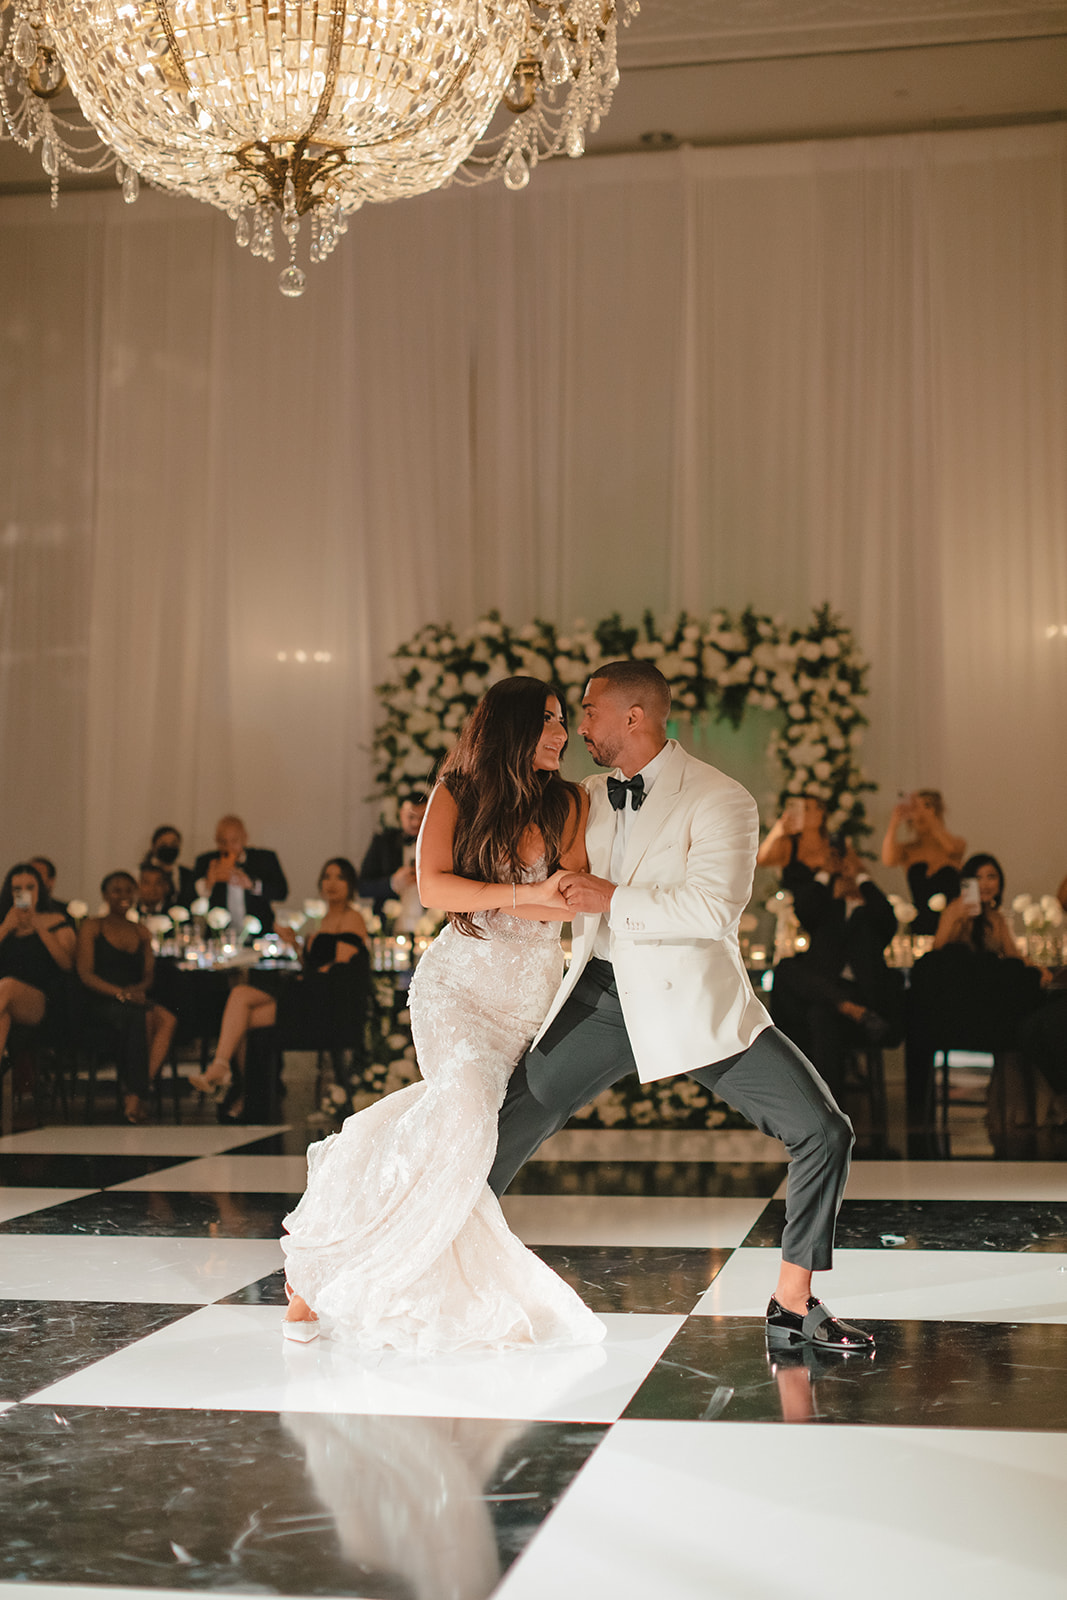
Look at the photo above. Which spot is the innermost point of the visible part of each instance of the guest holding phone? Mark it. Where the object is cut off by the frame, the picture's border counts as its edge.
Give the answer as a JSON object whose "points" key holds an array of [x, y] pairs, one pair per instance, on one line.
{"points": [[243, 879], [931, 857], [799, 836], [36, 949], [974, 917], [115, 963]]}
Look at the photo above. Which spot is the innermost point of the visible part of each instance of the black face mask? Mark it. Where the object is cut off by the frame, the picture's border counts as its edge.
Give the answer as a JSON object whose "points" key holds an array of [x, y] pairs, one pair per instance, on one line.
{"points": [[167, 853]]}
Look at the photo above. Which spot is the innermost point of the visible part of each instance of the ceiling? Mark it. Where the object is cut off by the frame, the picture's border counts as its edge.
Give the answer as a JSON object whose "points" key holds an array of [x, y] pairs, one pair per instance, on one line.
{"points": [[708, 72]]}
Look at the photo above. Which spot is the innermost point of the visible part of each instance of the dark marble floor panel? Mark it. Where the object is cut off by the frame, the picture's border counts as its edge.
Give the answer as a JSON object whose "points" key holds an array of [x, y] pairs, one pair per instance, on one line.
{"points": [[287, 1142], [987, 1375], [163, 1213], [1011, 1225], [29, 1171], [42, 1341], [691, 1179], [624, 1278], [300, 1504]]}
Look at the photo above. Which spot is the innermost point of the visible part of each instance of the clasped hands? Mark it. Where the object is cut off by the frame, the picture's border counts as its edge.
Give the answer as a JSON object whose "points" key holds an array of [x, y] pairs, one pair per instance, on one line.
{"points": [[577, 892]]}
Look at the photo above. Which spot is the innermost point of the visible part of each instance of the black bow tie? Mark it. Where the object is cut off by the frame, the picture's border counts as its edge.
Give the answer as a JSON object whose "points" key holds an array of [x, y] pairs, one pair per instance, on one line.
{"points": [[619, 788]]}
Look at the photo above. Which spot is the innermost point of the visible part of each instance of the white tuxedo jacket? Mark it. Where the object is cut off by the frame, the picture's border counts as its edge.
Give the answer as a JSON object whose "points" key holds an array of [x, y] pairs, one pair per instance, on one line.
{"points": [[686, 878]]}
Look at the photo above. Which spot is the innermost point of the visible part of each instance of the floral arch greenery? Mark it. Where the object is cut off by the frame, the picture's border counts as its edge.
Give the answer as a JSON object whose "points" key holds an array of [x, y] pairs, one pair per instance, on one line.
{"points": [[812, 675]]}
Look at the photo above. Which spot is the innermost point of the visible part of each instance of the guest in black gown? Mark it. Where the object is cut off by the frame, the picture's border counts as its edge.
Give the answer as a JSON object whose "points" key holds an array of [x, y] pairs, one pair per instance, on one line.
{"points": [[116, 965], [36, 950], [799, 835], [931, 858], [322, 1008]]}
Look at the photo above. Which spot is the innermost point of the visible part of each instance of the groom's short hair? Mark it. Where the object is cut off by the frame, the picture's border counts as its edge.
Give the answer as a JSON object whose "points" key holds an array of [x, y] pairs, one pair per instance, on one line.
{"points": [[643, 683]]}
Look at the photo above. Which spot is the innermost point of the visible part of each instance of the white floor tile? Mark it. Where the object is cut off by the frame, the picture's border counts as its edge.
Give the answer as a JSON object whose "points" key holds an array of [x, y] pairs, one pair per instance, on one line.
{"points": [[651, 1144], [878, 1512], [20, 1202], [618, 1219], [143, 1270], [925, 1285], [163, 1140], [234, 1173], [956, 1180], [234, 1357]]}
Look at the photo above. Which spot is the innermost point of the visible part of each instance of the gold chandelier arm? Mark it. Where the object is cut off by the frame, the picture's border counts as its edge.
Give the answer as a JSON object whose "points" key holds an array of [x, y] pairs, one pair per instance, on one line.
{"points": [[333, 60], [167, 25]]}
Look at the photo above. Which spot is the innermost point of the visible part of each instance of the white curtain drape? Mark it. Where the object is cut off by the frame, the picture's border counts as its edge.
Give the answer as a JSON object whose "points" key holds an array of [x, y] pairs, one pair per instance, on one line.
{"points": [[782, 374]]}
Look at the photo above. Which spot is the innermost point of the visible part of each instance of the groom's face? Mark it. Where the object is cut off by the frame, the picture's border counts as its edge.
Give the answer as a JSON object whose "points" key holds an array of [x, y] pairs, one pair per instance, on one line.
{"points": [[603, 725]]}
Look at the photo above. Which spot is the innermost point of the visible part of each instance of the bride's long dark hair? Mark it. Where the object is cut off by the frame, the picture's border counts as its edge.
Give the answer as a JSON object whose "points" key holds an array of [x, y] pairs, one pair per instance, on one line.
{"points": [[499, 796]]}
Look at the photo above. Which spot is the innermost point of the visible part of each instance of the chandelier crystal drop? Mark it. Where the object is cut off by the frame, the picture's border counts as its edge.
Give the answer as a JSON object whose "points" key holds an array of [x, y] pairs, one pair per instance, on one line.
{"points": [[276, 111]]}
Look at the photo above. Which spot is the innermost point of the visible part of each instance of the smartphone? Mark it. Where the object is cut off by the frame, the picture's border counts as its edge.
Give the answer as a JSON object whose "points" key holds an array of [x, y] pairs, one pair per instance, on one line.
{"points": [[971, 896]]}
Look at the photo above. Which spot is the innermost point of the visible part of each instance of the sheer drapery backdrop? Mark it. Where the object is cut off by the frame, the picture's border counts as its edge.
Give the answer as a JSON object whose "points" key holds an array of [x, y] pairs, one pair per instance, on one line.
{"points": [[780, 373]]}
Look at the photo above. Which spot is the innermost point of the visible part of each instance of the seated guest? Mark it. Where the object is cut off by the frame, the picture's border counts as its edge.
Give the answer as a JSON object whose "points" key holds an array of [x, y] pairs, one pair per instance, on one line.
{"points": [[115, 964], [164, 850], [242, 879], [388, 869], [971, 992], [36, 949], [155, 891], [839, 993], [930, 858], [46, 871], [799, 835], [321, 1009]]}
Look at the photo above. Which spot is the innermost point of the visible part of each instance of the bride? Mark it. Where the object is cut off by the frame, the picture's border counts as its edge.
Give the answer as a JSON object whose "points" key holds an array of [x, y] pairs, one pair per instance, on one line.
{"points": [[398, 1242]]}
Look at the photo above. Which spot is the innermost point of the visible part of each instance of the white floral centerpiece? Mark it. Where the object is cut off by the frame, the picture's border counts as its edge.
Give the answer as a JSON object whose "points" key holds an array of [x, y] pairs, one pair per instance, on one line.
{"points": [[813, 677], [1043, 922]]}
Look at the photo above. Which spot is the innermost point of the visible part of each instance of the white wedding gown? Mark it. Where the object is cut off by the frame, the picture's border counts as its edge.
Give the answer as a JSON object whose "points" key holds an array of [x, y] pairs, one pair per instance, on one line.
{"points": [[398, 1242]]}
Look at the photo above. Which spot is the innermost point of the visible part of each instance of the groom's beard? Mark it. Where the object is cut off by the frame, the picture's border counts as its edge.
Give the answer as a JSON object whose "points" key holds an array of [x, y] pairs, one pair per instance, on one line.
{"points": [[603, 755]]}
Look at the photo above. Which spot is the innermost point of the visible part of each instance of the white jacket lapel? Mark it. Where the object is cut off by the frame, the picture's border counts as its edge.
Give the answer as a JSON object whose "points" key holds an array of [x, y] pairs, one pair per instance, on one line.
{"points": [[654, 812]]}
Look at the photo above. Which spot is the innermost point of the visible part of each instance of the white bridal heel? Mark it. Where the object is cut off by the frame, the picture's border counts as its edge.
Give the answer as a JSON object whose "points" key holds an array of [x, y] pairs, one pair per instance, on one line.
{"points": [[300, 1332]]}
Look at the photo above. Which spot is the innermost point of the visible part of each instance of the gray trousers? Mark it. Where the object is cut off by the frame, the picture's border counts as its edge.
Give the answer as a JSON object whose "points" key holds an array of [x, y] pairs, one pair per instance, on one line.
{"points": [[587, 1049]]}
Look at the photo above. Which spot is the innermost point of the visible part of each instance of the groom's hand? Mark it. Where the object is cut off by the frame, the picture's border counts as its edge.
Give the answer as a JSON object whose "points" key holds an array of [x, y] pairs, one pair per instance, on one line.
{"points": [[583, 892]]}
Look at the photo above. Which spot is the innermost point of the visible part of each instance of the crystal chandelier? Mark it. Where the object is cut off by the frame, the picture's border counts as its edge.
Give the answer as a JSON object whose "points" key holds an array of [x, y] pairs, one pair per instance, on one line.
{"points": [[305, 109]]}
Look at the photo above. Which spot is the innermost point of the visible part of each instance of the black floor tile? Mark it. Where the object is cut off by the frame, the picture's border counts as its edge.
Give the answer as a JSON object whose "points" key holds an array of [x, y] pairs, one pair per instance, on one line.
{"points": [[164, 1213], [607, 1277], [28, 1171], [300, 1504], [289, 1142], [693, 1179], [923, 1374], [1010, 1225], [42, 1341]]}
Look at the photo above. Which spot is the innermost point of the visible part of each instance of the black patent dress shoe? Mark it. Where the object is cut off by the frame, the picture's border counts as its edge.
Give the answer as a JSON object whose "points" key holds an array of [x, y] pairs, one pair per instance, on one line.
{"points": [[816, 1327]]}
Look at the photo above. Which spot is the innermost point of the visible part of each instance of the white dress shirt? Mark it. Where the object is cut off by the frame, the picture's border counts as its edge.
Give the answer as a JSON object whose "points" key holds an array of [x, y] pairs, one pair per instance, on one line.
{"points": [[624, 821]]}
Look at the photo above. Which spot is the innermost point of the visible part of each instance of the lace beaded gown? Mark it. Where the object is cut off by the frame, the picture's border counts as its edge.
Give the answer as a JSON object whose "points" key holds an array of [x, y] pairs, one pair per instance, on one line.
{"points": [[398, 1242]]}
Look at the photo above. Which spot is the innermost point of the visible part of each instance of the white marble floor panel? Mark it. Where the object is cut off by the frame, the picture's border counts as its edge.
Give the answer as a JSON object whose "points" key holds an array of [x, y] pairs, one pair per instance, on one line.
{"points": [[234, 1358], [103, 1139], [622, 1220], [905, 1285], [154, 1270], [20, 1202], [653, 1144], [718, 1510], [234, 1174], [955, 1180]]}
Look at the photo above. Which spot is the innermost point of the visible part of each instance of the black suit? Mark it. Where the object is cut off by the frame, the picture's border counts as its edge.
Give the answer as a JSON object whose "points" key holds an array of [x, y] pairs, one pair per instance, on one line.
{"points": [[385, 855], [268, 882], [808, 988]]}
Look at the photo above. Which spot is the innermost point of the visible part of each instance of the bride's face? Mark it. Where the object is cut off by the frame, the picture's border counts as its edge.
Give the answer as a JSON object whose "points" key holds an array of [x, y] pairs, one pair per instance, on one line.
{"points": [[553, 741]]}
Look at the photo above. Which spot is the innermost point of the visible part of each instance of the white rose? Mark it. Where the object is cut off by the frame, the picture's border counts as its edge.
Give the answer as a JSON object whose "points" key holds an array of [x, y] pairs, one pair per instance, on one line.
{"points": [[713, 661], [391, 908], [201, 907], [670, 665], [133, 915], [765, 655], [823, 770], [449, 685], [906, 912], [177, 914], [315, 908], [374, 924], [218, 918], [797, 711], [472, 683], [1055, 914], [1021, 902], [1033, 916], [158, 924], [1050, 905], [77, 909], [251, 925], [831, 648]]}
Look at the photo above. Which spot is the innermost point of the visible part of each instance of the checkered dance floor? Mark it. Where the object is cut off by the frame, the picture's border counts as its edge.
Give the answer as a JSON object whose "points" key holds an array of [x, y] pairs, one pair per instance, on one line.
{"points": [[157, 1434]]}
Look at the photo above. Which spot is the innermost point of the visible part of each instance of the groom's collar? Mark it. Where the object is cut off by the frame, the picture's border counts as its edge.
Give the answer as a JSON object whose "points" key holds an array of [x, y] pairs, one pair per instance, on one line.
{"points": [[652, 769]]}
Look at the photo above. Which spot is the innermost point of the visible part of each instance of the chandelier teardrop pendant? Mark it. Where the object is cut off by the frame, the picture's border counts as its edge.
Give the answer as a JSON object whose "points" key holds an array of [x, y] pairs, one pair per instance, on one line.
{"points": [[299, 113]]}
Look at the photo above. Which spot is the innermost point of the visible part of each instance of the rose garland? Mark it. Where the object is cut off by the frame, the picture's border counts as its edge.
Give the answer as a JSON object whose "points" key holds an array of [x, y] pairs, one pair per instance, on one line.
{"points": [[813, 676]]}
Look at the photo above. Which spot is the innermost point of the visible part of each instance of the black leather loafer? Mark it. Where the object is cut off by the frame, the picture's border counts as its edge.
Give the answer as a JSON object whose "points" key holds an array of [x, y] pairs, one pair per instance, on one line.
{"points": [[816, 1327]]}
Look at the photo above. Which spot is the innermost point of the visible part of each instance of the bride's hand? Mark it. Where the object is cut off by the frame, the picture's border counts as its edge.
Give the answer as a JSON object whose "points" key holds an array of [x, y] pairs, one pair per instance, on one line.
{"points": [[548, 892]]}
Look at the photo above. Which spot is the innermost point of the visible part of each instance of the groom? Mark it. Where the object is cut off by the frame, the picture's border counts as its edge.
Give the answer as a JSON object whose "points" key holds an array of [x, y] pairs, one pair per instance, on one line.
{"points": [[657, 982]]}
